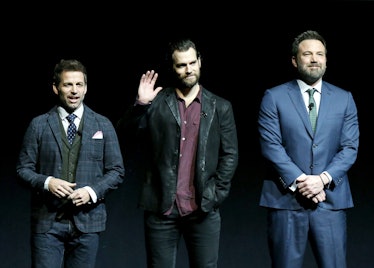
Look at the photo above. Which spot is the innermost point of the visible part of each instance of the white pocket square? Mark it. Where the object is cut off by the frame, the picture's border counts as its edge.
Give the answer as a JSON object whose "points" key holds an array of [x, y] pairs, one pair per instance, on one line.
{"points": [[98, 135]]}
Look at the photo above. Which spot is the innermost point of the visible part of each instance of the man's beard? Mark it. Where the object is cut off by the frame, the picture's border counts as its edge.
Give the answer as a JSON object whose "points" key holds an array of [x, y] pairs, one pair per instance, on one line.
{"points": [[310, 77], [183, 83]]}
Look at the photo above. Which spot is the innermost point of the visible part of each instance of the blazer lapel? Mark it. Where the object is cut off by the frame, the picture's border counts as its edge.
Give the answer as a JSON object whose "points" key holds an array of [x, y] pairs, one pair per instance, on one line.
{"points": [[324, 107], [54, 122], [299, 105]]}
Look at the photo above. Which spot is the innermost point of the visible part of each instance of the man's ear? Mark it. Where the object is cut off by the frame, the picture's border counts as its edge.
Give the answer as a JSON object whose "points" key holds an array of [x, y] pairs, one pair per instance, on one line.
{"points": [[55, 89], [294, 62]]}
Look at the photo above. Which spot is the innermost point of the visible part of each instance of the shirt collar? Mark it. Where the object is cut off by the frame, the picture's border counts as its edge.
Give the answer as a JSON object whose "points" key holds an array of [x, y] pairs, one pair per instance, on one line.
{"points": [[63, 113], [304, 87], [197, 98]]}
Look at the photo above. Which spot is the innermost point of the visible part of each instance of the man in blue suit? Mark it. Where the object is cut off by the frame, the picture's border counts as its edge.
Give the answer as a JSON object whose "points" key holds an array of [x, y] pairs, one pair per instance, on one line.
{"points": [[309, 193], [69, 181]]}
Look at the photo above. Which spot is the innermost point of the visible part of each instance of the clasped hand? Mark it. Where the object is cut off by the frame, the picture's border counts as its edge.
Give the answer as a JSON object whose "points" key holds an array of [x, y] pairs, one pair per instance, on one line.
{"points": [[62, 189], [312, 187]]}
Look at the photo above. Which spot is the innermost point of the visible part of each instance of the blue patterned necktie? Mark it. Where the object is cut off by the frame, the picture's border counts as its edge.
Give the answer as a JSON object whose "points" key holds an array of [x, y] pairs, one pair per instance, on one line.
{"points": [[312, 108], [72, 129]]}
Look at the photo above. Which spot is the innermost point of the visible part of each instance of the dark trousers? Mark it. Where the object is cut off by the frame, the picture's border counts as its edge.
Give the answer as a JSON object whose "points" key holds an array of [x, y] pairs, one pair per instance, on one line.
{"points": [[64, 246], [200, 231], [290, 230]]}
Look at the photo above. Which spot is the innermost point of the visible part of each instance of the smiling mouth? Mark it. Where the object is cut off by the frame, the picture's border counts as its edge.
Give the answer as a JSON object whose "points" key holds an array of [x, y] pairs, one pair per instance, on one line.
{"points": [[73, 99]]}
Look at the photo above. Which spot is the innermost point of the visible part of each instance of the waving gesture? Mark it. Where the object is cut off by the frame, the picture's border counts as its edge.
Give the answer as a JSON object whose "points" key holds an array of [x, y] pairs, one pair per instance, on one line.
{"points": [[146, 90]]}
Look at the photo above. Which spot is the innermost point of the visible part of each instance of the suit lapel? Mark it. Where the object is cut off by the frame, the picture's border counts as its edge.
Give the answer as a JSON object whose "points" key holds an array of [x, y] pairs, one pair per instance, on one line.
{"points": [[324, 107], [298, 102], [54, 122]]}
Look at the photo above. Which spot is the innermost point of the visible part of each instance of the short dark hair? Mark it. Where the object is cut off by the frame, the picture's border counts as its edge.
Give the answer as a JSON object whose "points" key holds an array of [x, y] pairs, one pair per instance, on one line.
{"points": [[307, 35], [68, 65], [180, 44]]}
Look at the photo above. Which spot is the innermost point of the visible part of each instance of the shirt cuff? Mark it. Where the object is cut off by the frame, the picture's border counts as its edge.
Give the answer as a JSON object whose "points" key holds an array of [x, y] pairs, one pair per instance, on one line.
{"points": [[329, 178], [293, 186], [92, 193], [47, 182]]}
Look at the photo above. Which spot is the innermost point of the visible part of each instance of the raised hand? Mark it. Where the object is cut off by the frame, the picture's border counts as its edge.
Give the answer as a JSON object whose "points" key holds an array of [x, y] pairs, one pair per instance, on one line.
{"points": [[146, 90]]}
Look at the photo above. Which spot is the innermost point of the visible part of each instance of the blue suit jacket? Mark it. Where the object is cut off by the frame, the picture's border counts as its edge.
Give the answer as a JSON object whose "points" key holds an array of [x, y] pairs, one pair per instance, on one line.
{"points": [[287, 141], [100, 166]]}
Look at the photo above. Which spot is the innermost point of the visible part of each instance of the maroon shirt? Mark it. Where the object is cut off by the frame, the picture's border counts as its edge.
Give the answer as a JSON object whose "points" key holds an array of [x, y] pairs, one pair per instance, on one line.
{"points": [[190, 122]]}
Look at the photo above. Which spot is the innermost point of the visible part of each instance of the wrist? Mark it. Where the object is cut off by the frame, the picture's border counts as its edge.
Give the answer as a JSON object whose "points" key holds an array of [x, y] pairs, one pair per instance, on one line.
{"points": [[323, 182]]}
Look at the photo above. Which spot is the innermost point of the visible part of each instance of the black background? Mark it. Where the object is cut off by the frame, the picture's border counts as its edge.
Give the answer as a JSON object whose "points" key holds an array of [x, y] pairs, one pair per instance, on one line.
{"points": [[245, 49]]}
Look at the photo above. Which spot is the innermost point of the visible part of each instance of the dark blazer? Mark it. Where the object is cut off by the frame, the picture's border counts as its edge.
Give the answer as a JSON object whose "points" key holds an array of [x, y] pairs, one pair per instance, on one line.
{"points": [[99, 166], [287, 141], [217, 151]]}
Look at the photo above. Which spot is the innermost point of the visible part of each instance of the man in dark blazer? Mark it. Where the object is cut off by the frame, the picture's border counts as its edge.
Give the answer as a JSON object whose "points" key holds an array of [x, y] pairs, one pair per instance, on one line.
{"points": [[308, 195], [190, 139], [69, 182]]}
